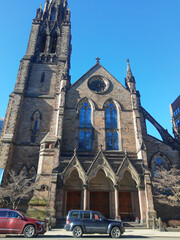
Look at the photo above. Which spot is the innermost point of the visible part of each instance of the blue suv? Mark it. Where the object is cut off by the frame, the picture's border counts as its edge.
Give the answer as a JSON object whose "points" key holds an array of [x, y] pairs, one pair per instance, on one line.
{"points": [[80, 222]]}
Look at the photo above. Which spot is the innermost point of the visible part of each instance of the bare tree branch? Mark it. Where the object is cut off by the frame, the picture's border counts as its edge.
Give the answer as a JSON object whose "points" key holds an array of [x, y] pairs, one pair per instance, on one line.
{"points": [[17, 188], [167, 185]]}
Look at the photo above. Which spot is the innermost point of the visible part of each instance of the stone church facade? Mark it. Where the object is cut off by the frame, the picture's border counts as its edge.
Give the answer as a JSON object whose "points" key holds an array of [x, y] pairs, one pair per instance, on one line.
{"points": [[86, 141]]}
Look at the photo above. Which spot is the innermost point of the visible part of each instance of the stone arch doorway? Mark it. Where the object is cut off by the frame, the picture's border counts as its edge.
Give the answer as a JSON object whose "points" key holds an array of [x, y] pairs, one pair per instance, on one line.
{"points": [[100, 189], [73, 188], [128, 199]]}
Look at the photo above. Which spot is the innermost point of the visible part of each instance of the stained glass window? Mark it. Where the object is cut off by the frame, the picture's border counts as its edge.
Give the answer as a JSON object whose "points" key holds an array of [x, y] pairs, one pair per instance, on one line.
{"points": [[81, 140], [82, 117], [85, 131], [53, 14], [115, 141], [108, 118], [88, 140], [88, 117], [109, 140], [112, 142], [114, 118]]}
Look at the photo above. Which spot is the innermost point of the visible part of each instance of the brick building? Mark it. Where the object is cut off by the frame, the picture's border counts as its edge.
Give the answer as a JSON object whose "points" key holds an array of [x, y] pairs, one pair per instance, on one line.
{"points": [[175, 115], [88, 141]]}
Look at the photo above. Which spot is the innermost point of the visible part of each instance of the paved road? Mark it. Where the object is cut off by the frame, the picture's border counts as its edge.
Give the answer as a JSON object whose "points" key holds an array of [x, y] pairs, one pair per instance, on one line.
{"points": [[130, 234], [90, 238]]}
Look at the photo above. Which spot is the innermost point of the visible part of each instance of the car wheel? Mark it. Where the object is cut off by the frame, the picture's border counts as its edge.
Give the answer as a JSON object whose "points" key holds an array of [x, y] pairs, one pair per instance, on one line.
{"points": [[29, 231], [77, 232], [115, 232]]}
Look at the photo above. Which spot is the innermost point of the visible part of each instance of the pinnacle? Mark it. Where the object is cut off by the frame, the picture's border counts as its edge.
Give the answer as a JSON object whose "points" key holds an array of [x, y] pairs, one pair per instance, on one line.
{"points": [[129, 73]]}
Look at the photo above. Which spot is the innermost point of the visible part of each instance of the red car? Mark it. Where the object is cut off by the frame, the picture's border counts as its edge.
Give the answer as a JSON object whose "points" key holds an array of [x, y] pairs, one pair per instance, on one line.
{"points": [[13, 222]]}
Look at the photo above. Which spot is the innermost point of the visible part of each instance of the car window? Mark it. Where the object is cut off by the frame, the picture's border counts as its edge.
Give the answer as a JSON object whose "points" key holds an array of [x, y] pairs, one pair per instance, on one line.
{"points": [[13, 215], [97, 216], [3, 213], [86, 215], [74, 214]]}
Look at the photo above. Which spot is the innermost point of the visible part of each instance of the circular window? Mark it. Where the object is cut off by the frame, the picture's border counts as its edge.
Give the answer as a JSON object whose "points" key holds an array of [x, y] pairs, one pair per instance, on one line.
{"points": [[98, 84]]}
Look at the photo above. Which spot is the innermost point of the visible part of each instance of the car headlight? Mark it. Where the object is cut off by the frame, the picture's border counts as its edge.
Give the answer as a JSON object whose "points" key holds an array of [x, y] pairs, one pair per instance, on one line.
{"points": [[39, 222]]}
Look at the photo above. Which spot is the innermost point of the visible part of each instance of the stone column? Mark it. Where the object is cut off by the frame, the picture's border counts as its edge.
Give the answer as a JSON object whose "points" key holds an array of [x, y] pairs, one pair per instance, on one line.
{"points": [[85, 200], [142, 205], [116, 193]]}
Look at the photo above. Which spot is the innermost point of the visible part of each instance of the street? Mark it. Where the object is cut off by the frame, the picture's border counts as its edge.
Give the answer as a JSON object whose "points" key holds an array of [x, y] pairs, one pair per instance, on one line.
{"points": [[133, 234]]}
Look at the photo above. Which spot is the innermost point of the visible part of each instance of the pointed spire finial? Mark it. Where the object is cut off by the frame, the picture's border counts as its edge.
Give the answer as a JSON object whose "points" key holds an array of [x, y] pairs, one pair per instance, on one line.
{"points": [[129, 73]]}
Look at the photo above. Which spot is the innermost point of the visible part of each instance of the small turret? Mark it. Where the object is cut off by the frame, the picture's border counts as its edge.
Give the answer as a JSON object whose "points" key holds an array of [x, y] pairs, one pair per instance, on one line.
{"points": [[130, 80], [39, 13]]}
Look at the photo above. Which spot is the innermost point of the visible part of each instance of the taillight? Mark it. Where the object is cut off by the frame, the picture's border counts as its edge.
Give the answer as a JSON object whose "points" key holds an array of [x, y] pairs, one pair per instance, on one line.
{"points": [[67, 222]]}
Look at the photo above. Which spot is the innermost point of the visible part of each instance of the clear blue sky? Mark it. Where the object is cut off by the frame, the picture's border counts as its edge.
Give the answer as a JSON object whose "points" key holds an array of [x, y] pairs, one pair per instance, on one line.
{"points": [[145, 31]]}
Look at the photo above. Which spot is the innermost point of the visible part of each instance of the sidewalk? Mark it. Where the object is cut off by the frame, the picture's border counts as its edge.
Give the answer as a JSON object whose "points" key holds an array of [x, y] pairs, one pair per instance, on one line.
{"points": [[129, 232]]}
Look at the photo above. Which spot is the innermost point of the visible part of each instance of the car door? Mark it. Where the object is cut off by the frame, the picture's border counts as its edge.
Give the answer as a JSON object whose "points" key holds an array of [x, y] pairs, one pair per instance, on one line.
{"points": [[99, 224], [15, 222], [86, 221], [3, 221]]}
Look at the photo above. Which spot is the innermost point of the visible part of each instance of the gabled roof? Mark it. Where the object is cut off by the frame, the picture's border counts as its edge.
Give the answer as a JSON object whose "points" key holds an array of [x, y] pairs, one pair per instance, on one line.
{"points": [[93, 69]]}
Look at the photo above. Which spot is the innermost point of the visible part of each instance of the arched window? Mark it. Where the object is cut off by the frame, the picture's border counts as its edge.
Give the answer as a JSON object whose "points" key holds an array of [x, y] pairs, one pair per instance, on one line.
{"points": [[112, 140], [53, 14], [54, 43], [36, 118], [43, 77], [85, 127], [159, 162], [43, 43]]}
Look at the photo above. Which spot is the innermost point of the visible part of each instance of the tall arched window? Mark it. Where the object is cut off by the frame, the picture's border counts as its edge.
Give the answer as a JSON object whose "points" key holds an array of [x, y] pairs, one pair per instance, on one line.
{"points": [[36, 118], [43, 43], [85, 127], [112, 140], [54, 43], [159, 162], [43, 77], [53, 14]]}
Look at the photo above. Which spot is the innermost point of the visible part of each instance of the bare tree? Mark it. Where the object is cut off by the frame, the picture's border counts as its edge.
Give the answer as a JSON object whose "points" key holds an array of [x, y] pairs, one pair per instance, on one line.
{"points": [[167, 185], [16, 188]]}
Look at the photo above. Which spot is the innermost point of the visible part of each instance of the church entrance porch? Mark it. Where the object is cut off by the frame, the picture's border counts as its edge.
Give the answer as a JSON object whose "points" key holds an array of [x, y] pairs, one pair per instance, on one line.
{"points": [[128, 200], [73, 192], [100, 188]]}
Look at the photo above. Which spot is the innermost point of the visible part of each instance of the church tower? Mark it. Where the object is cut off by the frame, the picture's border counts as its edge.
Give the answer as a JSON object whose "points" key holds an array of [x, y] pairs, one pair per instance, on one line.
{"points": [[33, 122]]}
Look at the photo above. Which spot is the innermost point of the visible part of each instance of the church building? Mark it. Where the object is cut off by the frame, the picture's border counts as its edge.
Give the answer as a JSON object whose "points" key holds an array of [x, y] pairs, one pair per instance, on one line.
{"points": [[87, 142]]}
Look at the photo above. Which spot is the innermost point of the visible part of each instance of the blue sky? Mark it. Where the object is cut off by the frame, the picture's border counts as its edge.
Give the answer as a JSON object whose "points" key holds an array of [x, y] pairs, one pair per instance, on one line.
{"points": [[146, 32]]}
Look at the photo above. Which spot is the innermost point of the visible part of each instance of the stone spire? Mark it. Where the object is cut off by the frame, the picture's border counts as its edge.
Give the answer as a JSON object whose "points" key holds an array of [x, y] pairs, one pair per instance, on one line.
{"points": [[130, 80]]}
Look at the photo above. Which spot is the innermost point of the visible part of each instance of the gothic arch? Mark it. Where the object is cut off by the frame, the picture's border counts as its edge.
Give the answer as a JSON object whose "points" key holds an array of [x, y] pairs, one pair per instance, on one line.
{"points": [[83, 100], [117, 104], [161, 155], [74, 165], [24, 170], [127, 166], [158, 161], [101, 163]]}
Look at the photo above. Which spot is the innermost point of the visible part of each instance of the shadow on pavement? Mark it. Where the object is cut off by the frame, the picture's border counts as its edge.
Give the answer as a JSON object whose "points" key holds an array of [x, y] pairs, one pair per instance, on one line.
{"points": [[84, 236]]}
